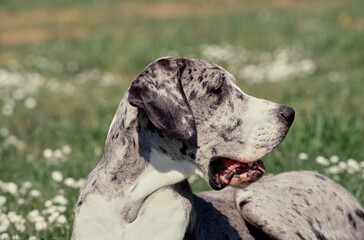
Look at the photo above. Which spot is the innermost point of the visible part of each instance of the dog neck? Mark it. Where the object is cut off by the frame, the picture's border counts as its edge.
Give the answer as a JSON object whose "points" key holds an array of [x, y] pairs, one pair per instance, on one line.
{"points": [[134, 167]]}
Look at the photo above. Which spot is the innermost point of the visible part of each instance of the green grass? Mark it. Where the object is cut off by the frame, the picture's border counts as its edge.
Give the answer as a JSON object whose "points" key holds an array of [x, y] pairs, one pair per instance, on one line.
{"points": [[329, 115]]}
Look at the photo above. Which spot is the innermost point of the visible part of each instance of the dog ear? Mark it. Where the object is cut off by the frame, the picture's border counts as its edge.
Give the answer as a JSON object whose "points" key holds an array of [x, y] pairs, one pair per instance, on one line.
{"points": [[158, 90]]}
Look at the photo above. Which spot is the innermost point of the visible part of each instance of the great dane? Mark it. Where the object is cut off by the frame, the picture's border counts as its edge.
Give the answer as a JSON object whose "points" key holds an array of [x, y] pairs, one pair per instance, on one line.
{"points": [[182, 117]]}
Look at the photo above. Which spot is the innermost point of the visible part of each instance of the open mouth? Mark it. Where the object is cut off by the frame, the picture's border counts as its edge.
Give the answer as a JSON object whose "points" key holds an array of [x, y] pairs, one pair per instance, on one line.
{"points": [[225, 172]]}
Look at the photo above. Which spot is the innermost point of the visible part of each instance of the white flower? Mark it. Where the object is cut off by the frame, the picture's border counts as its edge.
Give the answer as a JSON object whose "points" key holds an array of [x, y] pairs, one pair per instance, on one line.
{"points": [[2, 200], [26, 184], [41, 226], [4, 132], [303, 156], [33, 238], [353, 166], [61, 209], [30, 103], [57, 153], [18, 94], [48, 203], [15, 237], [322, 161], [48, 153], [20, 201], [334, 170], [32, 214], [80, 183], [4, 236], [11, 188], [362, 164], [334, 159], [8, 110], [69, 182], [53, 217], [66, 149], [35, 193], [57, 176], [61, 220], [20, 227], [342, 165], [60, 199]]}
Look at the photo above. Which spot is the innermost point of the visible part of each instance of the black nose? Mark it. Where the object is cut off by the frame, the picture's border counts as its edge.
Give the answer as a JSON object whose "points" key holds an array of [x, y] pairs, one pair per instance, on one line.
{"points": [[286, 114]]}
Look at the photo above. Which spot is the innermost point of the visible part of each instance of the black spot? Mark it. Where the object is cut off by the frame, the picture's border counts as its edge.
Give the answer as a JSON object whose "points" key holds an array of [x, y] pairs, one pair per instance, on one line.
{"points": [[307, 202], [94, 183], [163, 150], [204, 83], [359, 213], [79, 203], [213, 151], [300, 235], [192, 95], [189, 71], [225, 137], [183, 149], [114, 178], [320, 177], [192, 155], [351, 220], [296, 210], [240, 96], [318, 235], [340, 209], [241, 204]]}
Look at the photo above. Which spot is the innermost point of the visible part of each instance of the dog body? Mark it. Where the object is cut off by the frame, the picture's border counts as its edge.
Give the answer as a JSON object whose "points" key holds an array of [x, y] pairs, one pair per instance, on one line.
{"points": [[182, 117]]}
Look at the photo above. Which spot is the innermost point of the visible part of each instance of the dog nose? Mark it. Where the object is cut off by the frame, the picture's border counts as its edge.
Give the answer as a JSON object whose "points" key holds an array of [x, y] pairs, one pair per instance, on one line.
{"points": [[286, 114]]}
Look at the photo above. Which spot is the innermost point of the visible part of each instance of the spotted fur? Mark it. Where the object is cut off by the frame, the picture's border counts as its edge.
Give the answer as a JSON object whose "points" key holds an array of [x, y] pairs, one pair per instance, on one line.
{"points": [[177, 116]]}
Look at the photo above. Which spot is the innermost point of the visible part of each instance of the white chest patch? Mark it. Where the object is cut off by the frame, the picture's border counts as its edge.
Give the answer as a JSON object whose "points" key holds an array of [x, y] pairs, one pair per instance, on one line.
{"points": [[162, 215]]}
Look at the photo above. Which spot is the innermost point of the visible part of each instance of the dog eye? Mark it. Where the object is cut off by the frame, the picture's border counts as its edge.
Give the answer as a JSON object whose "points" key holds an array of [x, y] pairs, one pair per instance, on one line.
{"points": [[216, 90]]}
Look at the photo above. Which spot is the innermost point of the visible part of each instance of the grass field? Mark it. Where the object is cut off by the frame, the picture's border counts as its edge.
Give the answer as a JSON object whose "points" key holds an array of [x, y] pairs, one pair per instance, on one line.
{"points": [[65, 66]]}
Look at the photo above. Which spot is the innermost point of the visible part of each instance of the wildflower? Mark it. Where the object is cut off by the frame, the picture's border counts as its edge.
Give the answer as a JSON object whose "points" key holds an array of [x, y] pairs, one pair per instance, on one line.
{"points": [[57, 153], [2, 201], [352, 166], [30, 103], [60, 199], [53, 217], [32, 214], [322, 161], [61, 209], [61, 220], [33, 238], [48, 153], [334, 170], [334, 159], [48, 203], [342, 165], [15, 237], [69, 182], [20, 201], [4, 236], [20, 227], [4, 132], [8, 110], [303, 156], [41, 226], [18, 94], [35, 193], [66, 149], [11, 188], [57, 176]]}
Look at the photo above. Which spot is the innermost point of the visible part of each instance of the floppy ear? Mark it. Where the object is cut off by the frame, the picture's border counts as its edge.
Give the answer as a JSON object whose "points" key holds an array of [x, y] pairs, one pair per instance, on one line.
{"points": [[158, 90]]}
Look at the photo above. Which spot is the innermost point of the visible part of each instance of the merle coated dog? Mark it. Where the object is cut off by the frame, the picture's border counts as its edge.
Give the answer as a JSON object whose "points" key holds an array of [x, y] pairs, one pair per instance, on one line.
{"points": [[180, 117]]}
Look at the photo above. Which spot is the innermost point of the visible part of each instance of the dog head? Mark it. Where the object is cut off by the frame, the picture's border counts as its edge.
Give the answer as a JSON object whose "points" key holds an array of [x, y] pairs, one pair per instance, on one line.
{"points": [[199, 104]]}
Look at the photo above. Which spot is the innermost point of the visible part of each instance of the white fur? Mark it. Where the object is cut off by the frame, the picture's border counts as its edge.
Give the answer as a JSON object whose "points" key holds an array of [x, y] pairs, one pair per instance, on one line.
{"points": [[164, 212]]}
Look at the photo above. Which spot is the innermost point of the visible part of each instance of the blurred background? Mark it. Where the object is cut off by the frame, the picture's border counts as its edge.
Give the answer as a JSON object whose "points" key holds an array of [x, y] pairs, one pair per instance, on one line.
{"points": [[65, 65]]}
